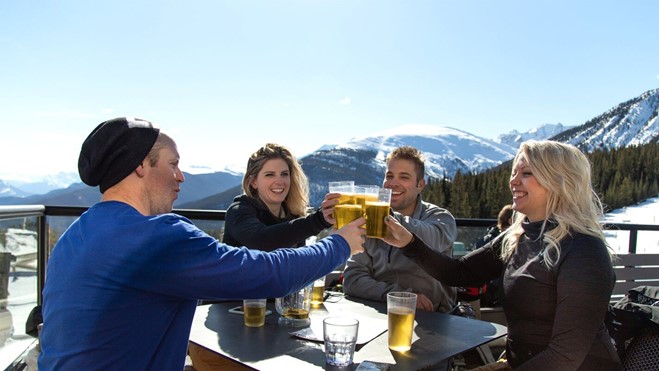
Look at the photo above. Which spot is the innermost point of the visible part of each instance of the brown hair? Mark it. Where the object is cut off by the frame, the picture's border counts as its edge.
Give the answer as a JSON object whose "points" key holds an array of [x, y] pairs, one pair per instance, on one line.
{"points": [[298, 195], [412, 154]]}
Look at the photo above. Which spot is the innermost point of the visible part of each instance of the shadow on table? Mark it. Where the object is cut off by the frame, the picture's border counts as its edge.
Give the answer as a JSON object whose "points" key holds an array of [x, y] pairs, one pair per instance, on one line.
{"points": [[251, 344]]}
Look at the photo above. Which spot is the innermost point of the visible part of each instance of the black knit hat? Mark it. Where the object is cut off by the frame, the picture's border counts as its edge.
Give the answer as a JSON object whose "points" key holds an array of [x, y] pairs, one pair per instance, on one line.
{"points": [[114, 149]]}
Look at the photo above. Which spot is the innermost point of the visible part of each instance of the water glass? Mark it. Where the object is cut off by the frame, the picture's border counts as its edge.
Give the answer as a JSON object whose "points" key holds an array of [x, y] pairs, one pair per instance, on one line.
{"points": [[340, 335]]}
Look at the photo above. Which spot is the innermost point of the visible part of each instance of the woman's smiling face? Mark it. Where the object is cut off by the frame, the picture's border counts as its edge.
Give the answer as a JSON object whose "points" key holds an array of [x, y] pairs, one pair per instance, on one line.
{"points": [[272, 183], [529, 197]]}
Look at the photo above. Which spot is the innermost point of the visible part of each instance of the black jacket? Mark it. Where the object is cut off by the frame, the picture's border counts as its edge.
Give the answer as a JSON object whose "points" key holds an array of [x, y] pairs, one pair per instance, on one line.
{"points": [[250, 223]]}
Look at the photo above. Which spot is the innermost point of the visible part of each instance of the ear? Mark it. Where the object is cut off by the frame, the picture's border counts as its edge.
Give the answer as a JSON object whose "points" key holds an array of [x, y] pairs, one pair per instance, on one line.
{"points": [[252, 182], [140, 170], [421, 184]]}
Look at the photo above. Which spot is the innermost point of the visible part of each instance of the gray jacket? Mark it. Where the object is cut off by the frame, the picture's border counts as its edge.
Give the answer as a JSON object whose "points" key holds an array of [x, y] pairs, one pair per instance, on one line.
{"points": [[382, 268]]}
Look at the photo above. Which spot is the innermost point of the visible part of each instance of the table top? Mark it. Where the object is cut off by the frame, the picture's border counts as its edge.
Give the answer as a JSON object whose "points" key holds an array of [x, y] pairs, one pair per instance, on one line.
{"points": [[437, 336]]}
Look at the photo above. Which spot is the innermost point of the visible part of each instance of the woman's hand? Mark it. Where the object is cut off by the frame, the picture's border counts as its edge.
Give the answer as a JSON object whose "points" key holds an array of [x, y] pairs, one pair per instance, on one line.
{"points": [[397, 235], [331, 200]]}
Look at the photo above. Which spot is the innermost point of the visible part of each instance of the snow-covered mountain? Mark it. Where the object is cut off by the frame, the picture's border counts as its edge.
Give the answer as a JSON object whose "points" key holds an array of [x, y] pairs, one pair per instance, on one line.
{"points": [[8, 190], [546, 131], [630, 123], [362, 159], [447, 150], [21, 187]]}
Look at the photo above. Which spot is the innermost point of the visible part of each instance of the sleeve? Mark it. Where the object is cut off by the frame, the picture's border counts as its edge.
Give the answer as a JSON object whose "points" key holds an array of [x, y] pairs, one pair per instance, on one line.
{"points": [[358, 278], [584, 284], [436, 227], [192, 264], [245, 227], [473, 269]]}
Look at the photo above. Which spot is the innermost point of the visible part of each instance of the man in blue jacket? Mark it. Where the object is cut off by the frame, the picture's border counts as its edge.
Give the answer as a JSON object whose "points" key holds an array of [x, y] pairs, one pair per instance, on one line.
{"points": [[124, 279]]}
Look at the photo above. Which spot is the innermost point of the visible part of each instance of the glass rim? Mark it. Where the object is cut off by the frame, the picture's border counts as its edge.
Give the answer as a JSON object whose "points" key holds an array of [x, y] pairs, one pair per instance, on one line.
{"points": [[340, 321], [401, 294]]}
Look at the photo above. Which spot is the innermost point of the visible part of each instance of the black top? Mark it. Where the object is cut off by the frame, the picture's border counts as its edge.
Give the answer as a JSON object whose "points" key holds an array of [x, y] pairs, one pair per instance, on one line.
{"points": [[555, 316], [250, 223]]}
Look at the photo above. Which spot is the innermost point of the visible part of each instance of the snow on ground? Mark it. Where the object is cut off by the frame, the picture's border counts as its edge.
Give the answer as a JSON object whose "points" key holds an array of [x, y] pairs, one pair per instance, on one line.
{"points": [[646, 212]]}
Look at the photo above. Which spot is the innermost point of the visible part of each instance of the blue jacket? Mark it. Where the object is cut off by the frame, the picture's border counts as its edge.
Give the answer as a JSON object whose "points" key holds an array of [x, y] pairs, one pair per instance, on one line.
{"points": [[121, 288]]}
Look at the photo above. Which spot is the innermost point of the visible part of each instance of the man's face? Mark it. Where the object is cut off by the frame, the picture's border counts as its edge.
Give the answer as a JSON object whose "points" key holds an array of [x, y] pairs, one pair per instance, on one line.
{"points": [[401, 178], [165, 180]]}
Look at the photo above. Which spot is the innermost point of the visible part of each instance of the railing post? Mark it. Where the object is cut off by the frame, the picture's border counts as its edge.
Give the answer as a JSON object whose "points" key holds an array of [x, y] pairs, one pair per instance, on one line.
{"points": [[42, 246], [633, 236]]}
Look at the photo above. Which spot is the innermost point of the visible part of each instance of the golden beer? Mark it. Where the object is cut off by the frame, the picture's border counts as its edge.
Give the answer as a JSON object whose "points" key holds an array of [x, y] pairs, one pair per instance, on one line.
{"points": [[347, 213], [347, 198], [296, 313], [317, 295], [401, 325], [361, 199], [254, 315], [375, 213]]}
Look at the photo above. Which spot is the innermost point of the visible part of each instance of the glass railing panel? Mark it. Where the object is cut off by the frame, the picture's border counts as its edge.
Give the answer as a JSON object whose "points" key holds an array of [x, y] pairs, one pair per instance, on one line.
{"points": [[18, 285]]}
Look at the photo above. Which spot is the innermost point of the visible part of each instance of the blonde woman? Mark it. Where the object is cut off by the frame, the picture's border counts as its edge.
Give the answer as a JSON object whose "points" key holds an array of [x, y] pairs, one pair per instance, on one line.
{"points": [[272, 212], [556, 265]]}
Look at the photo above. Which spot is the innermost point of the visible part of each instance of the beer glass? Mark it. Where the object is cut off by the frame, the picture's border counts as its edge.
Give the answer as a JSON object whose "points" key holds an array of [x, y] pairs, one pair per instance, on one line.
{"points": [[375, 213], [294, 308], [401, 307], [365, 193], [318, 292], [346, 210], [254, 310]]}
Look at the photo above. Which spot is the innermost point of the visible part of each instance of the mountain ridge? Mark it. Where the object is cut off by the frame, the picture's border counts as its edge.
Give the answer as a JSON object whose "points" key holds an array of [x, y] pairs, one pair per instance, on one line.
{"points": [[447, 149]]}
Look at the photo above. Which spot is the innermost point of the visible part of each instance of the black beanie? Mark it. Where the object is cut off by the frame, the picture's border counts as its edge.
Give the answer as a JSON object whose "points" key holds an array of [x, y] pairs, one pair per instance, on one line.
{"points": [[114, 149]]}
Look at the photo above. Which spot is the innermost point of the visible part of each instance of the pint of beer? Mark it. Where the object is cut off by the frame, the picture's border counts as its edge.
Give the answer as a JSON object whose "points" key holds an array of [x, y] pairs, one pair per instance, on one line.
{"points": [[346, 214], [318, 292], [375, 213], [401, 307], [365, 193], [347, 191]]}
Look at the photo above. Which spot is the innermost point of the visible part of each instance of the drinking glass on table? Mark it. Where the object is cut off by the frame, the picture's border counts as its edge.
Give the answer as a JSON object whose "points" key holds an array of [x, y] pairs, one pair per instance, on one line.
{"points": [[254, 312], [375, 213], [401, 307], [294, 308], [340, 335], [318, 292]]}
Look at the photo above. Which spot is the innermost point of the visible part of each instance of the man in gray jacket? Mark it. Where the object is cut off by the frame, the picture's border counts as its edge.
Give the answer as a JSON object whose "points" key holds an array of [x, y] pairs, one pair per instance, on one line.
{"points": [[381, 268]]}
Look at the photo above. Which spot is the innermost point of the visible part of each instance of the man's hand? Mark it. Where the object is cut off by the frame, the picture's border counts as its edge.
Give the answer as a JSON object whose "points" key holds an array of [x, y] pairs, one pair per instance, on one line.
{"points": [[354, 235], [397, 235], [423, 303], [331, 200]]}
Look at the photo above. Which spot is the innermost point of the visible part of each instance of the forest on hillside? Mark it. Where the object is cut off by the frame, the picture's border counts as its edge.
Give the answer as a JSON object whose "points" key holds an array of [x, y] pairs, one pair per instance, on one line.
{"points": [[621, 177]]}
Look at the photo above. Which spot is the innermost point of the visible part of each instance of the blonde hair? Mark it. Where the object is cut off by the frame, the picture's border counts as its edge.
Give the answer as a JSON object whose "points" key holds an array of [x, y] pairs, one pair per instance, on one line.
{"points": [[564, 171], [297, 198]]}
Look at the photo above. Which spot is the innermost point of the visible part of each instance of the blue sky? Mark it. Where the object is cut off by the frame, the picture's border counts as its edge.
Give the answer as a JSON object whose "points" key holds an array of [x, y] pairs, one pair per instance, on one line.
{"points": [[225, 77]]}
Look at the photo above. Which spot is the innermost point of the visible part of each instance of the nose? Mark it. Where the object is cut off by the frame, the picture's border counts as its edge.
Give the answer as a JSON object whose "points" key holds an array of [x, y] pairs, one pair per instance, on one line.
{"points": [[179, 176], [514, 179]]}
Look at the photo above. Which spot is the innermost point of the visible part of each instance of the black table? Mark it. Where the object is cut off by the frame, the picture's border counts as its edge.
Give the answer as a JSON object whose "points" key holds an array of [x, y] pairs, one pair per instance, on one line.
{"points": [[438, 336]]}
